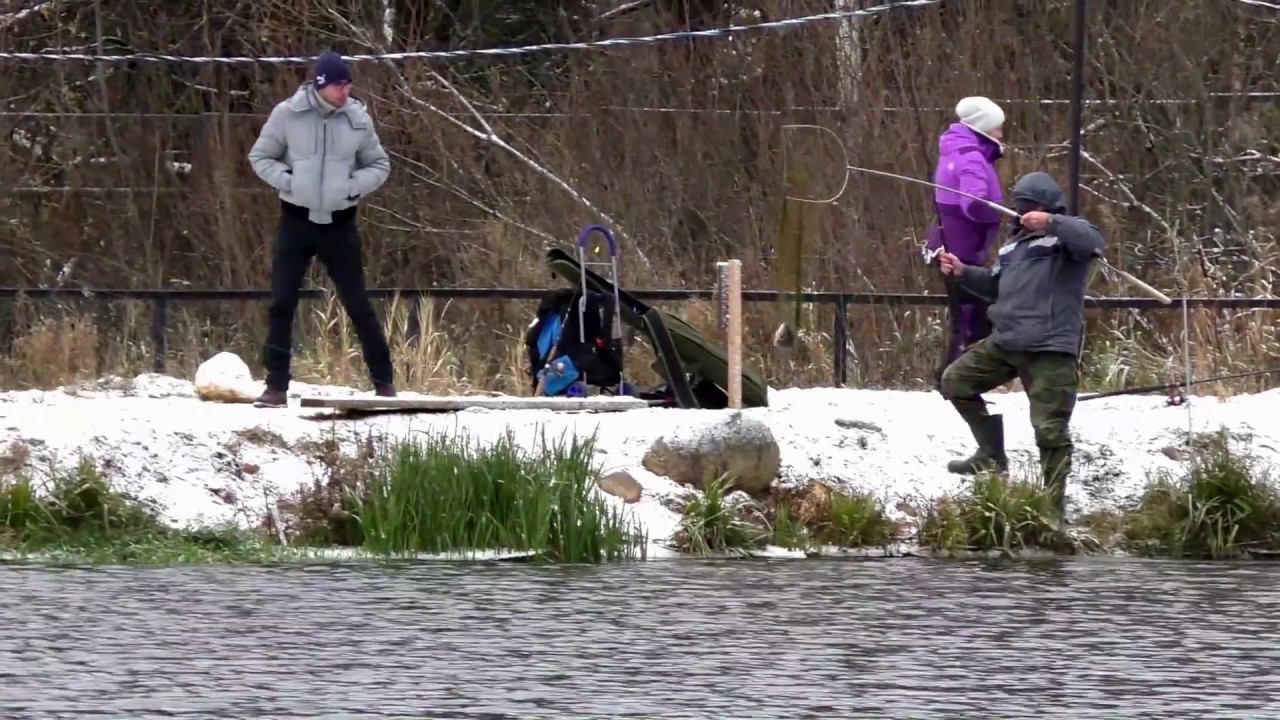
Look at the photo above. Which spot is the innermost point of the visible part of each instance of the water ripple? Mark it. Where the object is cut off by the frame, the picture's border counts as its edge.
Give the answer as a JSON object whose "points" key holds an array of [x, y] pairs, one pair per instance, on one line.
{"points": [[1057, 638]]}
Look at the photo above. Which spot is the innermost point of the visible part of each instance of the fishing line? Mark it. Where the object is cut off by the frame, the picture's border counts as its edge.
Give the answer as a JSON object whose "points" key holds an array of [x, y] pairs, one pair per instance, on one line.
{"points": [[849, 168]]}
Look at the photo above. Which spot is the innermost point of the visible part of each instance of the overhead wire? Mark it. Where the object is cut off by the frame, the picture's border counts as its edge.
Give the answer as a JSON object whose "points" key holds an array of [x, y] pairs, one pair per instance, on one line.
{"points": [[721, 32]]}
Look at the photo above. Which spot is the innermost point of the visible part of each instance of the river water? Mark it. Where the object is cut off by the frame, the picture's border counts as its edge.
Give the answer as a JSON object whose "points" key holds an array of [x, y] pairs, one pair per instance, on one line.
{"points": [[1069, 638]]}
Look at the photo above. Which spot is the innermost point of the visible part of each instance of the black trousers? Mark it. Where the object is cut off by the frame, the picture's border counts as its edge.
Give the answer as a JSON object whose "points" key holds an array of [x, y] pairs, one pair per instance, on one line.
{"points": [[338, 247]]}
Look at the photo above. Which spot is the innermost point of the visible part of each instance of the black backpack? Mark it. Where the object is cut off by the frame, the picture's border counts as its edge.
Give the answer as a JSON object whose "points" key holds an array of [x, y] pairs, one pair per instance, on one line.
{"points": [[595, 355]]}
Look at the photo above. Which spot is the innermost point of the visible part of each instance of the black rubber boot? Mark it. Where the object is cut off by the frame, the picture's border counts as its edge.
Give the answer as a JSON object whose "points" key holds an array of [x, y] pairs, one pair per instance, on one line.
{"points": [[989, 432]]}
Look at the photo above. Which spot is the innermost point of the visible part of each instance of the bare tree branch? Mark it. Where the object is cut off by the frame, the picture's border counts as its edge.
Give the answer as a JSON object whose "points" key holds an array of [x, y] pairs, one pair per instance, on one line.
{"points": [[463, 194], [486, 132]]}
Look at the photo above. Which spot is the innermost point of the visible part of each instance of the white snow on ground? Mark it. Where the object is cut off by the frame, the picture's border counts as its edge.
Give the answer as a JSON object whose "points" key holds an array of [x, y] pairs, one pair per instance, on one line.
{"points": [[168, 446]]}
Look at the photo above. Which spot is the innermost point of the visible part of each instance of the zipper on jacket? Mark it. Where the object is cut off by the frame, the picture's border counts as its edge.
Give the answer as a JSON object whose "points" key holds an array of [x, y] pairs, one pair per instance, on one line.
{"points": [[324, 152], [1053, 297]]}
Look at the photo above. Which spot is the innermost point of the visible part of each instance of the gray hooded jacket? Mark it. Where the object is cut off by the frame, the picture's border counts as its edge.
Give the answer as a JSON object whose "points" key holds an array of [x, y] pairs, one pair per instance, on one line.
{"points": [[1039, 280], [318, 157]]}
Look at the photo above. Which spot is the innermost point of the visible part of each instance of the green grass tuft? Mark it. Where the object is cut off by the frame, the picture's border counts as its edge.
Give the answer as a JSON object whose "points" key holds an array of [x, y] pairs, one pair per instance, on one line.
{"points": [[788, 531], [856, 520], [443, 494], [995, 514], [819, 515], [717, 522], [79, 506], [434, 496], [79, 516], [1220, 509]]}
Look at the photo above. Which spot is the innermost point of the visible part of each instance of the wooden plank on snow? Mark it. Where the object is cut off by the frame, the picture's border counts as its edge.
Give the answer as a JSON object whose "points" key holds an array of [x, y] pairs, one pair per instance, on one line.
{"points": [[438, 403]]}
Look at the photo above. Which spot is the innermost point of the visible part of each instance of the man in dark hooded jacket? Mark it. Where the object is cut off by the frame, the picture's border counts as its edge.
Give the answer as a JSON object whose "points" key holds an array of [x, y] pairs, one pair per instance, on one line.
{"points": [[1037, 289]]}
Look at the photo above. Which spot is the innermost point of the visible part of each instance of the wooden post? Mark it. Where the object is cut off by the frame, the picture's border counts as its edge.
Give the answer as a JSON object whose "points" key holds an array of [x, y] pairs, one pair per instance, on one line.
{"points": [[734, 331]]}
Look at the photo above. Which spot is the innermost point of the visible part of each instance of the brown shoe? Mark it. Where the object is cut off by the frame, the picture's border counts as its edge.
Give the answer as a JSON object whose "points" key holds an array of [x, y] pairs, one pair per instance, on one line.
{"points": [[384, 390], [272, 399]]}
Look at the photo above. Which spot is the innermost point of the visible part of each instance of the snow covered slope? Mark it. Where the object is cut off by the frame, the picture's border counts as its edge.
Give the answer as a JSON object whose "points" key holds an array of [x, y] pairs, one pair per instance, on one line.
{"points": [[215, 462]]}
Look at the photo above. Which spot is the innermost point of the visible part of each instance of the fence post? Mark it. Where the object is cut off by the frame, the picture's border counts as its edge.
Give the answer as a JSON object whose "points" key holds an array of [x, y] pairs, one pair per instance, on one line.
{"points": [[839, 339], [727, 298], [733, 326], [159, 336]]}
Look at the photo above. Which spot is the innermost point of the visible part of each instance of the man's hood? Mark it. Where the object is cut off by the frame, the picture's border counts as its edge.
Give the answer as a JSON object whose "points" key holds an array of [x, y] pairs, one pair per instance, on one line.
{"points": [[353, 108], [1040, 188]]}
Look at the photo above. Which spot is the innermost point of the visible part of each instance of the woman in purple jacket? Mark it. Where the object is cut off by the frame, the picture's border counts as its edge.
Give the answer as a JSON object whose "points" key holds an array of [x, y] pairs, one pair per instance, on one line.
{"points": [[967, 155]]}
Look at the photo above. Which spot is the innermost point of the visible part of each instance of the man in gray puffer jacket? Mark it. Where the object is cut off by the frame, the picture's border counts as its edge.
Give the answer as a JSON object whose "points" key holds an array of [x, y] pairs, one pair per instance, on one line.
{"points": [[1037, 318], [320, 151]]}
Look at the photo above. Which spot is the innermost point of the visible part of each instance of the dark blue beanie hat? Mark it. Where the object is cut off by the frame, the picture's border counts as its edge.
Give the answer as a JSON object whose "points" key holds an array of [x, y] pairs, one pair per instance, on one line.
{"points": [[330, 69]]}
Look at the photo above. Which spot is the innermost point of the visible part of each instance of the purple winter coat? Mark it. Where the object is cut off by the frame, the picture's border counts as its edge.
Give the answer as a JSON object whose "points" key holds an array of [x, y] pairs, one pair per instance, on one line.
{"points": [[966, 161]]}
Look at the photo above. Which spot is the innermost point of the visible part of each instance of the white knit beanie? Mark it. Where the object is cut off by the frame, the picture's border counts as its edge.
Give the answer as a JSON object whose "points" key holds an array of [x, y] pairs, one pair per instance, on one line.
{"points": [[980, 113]]}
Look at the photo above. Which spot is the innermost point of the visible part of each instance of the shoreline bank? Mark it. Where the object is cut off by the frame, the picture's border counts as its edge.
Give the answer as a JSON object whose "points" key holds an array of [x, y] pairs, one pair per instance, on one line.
{"points": [[214, 464]]}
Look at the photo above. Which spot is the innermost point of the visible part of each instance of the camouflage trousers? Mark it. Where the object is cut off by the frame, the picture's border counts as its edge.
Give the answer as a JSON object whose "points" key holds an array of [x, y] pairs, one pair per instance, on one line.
{"points": [[1051, 380]]}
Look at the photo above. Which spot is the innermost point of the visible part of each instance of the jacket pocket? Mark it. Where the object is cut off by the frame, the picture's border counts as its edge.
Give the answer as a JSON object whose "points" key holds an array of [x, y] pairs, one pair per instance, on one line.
{"points": [[1023, 313], [337, 183], [305, 189]]}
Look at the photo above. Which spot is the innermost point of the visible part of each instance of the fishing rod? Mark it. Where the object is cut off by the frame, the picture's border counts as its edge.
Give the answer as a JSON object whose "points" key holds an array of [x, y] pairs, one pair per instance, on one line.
{"points": [[1018, 217], [1165, 299], [1171, 386]]}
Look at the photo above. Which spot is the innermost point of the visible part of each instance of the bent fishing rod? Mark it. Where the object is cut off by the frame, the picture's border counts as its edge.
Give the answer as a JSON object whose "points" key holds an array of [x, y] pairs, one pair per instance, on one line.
{"points": [[1171, 386], [1018, 217], [1165, 299]]}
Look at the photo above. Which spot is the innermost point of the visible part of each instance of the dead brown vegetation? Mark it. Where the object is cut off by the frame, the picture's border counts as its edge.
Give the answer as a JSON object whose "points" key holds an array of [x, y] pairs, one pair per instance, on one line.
{"points": [[135, 175]]}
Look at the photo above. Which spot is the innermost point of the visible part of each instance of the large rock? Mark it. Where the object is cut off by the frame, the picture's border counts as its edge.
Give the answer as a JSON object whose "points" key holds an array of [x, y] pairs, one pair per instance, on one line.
{"points": [[737, 445], [621, 484], [225, 378]]}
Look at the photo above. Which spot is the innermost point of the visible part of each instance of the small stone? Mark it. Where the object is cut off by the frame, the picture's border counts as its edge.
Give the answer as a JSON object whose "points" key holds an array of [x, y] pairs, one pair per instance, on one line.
{"points": [[226, 495], [621, 484], [862, 425], [249, 469], [674, 503], [1173, 453]]}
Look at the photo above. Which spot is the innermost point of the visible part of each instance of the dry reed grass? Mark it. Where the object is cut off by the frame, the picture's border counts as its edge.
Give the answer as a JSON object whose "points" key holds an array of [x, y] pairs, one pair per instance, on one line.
{"points": [[449, 347], [1183, 190]]}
